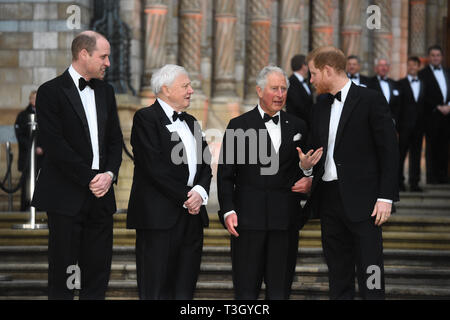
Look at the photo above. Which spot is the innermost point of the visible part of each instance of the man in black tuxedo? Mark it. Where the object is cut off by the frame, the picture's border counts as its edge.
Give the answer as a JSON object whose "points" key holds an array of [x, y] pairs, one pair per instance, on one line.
{"points": [[80, 133], [353, 67], [259, 183], [411, 124], [172, 175], [387, 86], [23, 138], [299, 99], [355, 182], [437, 116]]}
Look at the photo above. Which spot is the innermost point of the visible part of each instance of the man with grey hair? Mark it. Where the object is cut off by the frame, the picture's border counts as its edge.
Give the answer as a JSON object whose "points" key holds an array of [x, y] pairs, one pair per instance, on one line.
{"points": [[261, 210], [170, 190], [385, 85]]}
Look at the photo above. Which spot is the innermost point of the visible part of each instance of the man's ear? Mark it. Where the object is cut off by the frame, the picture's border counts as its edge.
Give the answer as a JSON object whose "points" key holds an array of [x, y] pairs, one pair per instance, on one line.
{"points": [[259, 91]]}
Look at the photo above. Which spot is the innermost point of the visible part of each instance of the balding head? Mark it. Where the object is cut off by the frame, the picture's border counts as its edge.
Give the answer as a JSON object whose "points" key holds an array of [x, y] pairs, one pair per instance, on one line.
{"points": [[85, 40]]}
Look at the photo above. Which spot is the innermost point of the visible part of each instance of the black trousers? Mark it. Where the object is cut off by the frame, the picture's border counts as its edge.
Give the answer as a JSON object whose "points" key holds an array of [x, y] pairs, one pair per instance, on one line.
{"points": [[86, 239], [438, 138], [168, 261], [410, 141], [268, 255], [348, 244]]}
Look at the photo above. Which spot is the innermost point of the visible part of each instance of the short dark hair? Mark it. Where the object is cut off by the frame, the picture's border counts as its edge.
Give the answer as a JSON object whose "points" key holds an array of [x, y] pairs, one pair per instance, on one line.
{"points": [[350, 57], [297, 62], [85, 40], [435, 47], [415, 59]]}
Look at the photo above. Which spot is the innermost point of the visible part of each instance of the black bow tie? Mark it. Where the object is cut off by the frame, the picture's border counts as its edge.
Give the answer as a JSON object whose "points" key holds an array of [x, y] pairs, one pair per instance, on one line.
{"points": [[383, 79], [414, 80], [436, 68], [82, 83], [268, 118], [181, 116], [350, 76], [337, 96]]}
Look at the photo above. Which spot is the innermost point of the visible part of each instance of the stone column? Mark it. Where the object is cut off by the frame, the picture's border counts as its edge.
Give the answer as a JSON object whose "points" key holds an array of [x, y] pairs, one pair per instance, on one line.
{"points": [[224, 46], [351, 27], [257, 44], [382, 38], [322, 23], [417, 28], [290, 32], [190, 39], [155, 40]]}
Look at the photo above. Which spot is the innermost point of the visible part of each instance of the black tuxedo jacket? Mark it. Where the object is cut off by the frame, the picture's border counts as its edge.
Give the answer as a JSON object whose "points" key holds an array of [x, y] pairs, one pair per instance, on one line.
{"points": [[159, 184], [411, 114], [261, 201], [365, 152], [363, 80], [433, 94], [63, 182], [298, 101], [394, 101]]}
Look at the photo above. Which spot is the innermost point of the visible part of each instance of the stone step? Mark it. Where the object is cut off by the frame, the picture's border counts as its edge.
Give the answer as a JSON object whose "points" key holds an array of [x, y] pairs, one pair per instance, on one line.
{"points": [[309, 255], [127, 289]]}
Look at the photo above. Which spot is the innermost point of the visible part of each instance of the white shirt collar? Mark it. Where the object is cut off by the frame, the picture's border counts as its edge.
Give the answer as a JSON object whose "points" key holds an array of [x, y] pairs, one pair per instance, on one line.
{"points": [[410, 77], [168, 110], [299, 77], [344, 91], [261, 112], [75, 75]]}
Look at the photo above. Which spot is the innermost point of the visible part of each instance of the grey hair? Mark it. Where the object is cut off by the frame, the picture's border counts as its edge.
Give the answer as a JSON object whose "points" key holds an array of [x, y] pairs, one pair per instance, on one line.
{"points": [[261, 79], [166, 76], [377, 60]]}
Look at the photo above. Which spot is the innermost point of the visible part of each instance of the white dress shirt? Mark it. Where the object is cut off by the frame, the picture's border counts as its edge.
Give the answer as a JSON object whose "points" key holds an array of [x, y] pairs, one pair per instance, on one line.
{"points": [[88, 101], [273, 129], [385, 88], [440, 78], [356, 80], [190, 145], [302, 81], [330, 173], [415, 86]]}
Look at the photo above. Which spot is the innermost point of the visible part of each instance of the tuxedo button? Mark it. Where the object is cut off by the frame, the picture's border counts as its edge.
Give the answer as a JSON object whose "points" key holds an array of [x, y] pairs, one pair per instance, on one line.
{"points": [[338, 164]]}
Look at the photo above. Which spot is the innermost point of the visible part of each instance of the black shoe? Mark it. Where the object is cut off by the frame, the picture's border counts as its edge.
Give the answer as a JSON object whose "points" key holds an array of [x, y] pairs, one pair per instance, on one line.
{"points": [[402, 187], [415, 189]]}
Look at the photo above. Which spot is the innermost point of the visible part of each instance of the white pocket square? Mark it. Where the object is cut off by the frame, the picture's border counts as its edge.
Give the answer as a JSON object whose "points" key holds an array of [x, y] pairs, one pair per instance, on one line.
{"points": [[297, 137], [395, 92]]}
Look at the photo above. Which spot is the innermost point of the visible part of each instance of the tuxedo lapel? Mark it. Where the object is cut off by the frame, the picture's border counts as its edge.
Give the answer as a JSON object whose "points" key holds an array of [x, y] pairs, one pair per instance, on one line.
{"points": [[102, 114], [350, 103], [286, 135], [74, 98]]}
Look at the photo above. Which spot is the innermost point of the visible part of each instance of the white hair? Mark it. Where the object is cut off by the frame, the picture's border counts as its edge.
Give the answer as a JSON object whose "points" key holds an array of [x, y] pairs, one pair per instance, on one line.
{"points": [[166, 76], [261, 79], [377, 60]]}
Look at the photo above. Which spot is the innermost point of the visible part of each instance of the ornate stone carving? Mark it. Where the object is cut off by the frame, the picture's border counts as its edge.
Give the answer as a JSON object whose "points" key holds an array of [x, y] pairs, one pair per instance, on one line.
{"points": [[322, 23], [290, 31], [351, 27]]}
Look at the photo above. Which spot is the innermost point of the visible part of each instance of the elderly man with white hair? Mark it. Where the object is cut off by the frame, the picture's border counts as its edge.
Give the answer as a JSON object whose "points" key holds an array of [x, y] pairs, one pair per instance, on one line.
{"points": [[261, 208], [172, 175]]}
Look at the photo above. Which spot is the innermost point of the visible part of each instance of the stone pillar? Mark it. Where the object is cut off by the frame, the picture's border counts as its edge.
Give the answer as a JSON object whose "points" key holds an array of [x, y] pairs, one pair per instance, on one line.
{"points": [[257, 45], [351, 27], [155, 40], [322, 23], [382, 38], [190, 39], [224, 46], [399, 45], [417, 27], [290, 32]]}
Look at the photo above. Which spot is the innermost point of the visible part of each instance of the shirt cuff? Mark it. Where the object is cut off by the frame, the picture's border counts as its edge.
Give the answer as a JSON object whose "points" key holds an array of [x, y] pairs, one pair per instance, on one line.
{"points": [[201, 191], [111, 174], [384, 200], [306, 172], [227, 214]]}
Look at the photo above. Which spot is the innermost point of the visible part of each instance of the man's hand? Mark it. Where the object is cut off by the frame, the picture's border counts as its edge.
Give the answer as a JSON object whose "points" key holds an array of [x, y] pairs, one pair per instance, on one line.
{"points": [[445, 110], [382, 211], [303, 185], [231, 222], [194, 202], [310, 159], [39, 151], [100, 184]]}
